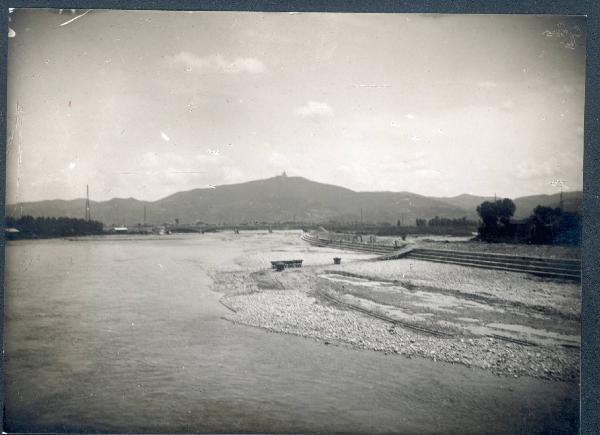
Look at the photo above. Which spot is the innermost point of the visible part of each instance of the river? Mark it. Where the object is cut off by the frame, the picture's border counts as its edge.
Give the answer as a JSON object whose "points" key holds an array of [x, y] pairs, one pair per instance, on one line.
{"points": [[125, 335]]}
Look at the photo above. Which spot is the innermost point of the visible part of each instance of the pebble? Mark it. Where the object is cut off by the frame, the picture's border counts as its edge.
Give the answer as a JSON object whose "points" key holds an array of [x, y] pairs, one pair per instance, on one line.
{"points": [[295, 312]]}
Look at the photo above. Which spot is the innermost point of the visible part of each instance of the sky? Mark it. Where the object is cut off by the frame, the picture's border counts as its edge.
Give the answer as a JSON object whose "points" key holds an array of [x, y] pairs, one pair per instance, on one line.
{"points": [[147, 103]]}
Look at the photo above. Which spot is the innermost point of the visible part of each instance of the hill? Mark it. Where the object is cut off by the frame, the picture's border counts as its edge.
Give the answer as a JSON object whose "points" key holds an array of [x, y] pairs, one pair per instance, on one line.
{"points": [[115, 211], [280, 199], [525, 204]]}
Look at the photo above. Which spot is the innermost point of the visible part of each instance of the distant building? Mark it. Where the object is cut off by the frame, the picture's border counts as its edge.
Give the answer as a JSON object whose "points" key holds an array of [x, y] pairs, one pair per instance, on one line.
{"points": [[11, 233], [144, 229], [161, 230]]}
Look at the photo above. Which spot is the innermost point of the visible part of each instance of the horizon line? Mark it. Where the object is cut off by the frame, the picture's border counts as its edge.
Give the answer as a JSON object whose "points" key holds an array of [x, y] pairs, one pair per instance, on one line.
{"points": [[83, 198]]}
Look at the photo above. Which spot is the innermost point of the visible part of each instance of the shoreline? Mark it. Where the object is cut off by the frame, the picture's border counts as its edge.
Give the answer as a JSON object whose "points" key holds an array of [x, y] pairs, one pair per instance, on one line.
{"points": [[290, 302], [393, 353]]}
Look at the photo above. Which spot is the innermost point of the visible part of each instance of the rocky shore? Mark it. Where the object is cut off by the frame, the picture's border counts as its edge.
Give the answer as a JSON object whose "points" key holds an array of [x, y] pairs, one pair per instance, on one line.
{"points": [[563, 297], [289, 303]]}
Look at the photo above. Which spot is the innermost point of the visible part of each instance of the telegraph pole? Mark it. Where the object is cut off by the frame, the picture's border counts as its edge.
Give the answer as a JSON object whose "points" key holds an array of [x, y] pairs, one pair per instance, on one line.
{"points": [[561, 185], [87, 202], [562, 203]]}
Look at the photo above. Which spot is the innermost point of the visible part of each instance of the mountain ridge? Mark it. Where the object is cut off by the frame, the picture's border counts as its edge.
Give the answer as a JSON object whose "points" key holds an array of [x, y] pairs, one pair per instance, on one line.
{"points": [[278, 199]]}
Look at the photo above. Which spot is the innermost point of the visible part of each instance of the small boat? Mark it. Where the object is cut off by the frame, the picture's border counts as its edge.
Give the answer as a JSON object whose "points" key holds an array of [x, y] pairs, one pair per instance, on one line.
{"points": [[284, 264]]}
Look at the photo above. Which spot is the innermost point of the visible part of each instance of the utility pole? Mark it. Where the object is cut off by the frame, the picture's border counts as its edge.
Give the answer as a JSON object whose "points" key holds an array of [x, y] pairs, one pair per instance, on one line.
{"points": [[562, 203], [561, 185], [87, 202], [144, 215]]}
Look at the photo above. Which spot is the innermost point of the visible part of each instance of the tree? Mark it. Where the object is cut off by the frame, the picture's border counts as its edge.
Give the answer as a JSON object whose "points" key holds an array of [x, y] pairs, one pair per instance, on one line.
{"points": [[506, 209], [546, 224], [435, 222], [569, 229], [495, 217], [43, 227], [547, 215]]}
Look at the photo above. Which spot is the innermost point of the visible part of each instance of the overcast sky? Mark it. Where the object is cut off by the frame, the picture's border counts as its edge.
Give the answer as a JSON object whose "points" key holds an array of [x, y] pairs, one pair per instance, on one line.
{"points": [[143, 104]]}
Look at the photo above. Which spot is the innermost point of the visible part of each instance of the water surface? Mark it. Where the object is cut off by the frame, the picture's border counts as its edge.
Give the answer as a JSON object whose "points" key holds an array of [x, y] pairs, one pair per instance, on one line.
{"points": [[126, 336]]}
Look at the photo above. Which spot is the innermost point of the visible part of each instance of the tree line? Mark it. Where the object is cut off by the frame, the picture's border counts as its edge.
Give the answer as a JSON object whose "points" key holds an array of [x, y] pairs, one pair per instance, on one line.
{"points": [[46, 227], [445, 222], [545, 225]]}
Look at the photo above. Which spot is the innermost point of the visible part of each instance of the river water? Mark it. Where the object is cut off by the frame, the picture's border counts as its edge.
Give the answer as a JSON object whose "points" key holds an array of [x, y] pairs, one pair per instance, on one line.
{"points": [[126, 335]]}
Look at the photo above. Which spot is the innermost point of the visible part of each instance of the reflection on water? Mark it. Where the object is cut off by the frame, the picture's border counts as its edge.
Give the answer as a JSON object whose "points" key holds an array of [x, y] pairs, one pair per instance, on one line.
{"points": [[126, 336]]}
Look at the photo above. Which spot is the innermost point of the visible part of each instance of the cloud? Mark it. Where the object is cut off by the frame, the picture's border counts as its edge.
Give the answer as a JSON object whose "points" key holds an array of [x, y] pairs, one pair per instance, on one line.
{"points": [[431, 174], [314, 109], [533, 170], [217, 63], [152, 162], [418, 160]]}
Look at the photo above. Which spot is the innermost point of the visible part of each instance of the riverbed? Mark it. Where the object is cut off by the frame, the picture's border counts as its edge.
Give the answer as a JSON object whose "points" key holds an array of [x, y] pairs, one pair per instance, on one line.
{"points": [[128, 335]]}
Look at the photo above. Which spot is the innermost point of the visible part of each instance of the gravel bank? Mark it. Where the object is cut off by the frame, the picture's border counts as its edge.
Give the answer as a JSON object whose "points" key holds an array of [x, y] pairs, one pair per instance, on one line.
{"points": [[562, 297], [291, 306]]}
